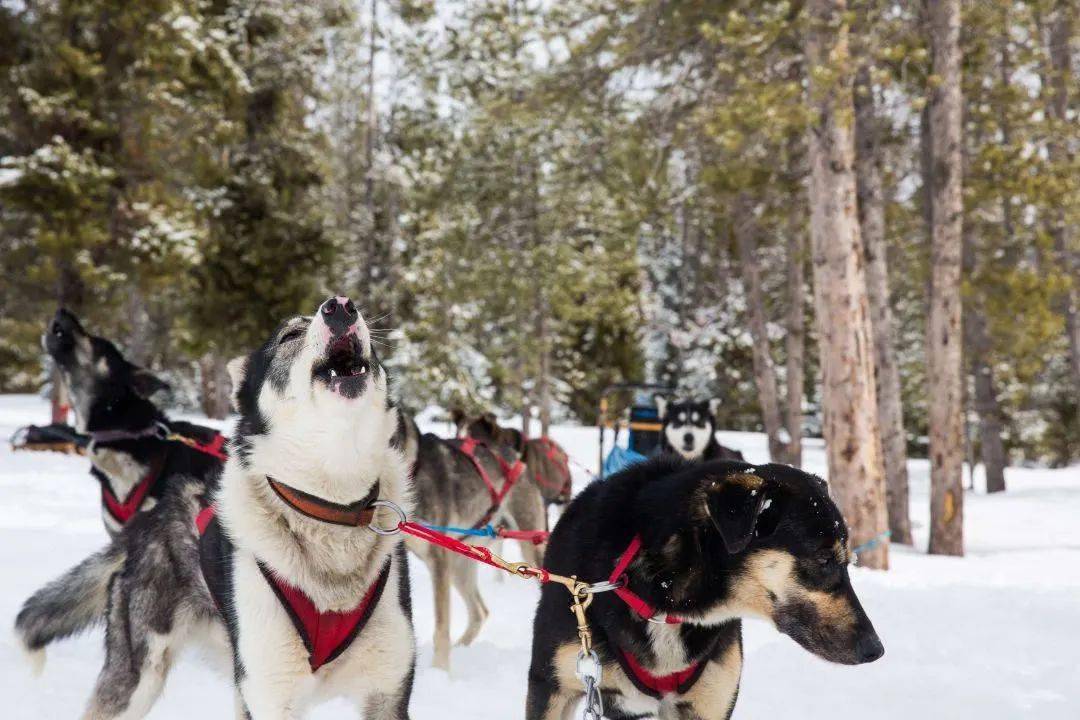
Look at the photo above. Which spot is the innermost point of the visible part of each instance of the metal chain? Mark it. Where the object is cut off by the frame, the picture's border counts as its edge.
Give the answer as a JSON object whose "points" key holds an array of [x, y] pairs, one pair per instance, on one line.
{"points": [[590, 672]]}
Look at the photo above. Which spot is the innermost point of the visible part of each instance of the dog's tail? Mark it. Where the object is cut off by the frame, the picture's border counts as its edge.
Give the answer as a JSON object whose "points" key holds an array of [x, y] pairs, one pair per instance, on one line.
{"points": [[70, 604]]}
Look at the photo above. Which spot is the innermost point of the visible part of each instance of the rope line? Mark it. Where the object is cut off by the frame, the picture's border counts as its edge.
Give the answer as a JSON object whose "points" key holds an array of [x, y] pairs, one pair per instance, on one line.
{"points": [[536, 537]]}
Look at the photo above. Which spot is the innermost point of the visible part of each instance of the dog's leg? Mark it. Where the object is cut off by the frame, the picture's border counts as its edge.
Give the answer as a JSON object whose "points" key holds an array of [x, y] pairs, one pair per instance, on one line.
{"points": [[394, 706], [268, 697], [440, 584], [713, 695], [547, 701], [464, 577], [239, 706], [136, 663]]}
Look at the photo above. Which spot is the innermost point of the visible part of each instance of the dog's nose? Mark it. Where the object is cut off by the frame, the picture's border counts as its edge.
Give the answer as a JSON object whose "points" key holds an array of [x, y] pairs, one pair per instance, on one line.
{"points": [[869, 647], [339, 314], [62, 323], [688, 438]]}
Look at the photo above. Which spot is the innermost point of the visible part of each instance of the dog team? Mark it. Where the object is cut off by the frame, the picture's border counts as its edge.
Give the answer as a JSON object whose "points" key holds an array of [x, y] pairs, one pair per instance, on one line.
{"points": [[279, 548]]}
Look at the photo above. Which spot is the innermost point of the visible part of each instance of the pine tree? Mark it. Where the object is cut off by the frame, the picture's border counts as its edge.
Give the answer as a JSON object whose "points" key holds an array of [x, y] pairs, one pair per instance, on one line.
{"points": [[266, 255]]}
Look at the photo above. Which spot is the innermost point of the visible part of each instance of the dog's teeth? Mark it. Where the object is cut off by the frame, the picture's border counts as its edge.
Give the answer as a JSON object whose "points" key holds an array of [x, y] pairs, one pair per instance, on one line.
{"points": [[333, 373], [362, 370]]}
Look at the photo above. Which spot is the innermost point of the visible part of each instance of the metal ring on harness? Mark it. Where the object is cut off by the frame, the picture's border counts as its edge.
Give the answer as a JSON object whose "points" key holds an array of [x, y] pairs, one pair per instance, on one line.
{"points": [[397, 510], [606, 586]]}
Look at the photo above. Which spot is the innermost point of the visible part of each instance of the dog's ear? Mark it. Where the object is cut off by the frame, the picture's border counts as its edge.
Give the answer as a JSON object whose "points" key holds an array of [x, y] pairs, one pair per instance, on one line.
{"points": [[236, 367], [714, 407], [734, 504], [661, 406], [146, 383]]}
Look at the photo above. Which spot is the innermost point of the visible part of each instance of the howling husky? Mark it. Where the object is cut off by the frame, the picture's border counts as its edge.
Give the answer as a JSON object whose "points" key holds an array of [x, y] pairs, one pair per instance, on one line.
{"points": [[281, 557], [130, 455]]}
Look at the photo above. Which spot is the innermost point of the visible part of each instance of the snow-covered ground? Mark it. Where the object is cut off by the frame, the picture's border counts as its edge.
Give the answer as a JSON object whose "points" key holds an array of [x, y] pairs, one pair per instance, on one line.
{"points": [[993, 636]]}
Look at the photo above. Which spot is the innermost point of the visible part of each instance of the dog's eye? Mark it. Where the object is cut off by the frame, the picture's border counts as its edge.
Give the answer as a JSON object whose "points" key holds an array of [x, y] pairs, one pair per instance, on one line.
{"points": [[291, 335]]}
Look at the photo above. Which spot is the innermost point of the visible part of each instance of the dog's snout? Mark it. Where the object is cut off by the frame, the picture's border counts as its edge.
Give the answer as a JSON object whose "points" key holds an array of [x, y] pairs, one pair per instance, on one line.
{"points": [[339, 314], [688, 438], [62, 326], [869, 648]]}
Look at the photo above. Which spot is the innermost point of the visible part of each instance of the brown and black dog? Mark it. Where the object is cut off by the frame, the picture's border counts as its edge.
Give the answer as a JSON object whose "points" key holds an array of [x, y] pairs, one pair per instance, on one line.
{"points": [[698, 546], [548, 467]]}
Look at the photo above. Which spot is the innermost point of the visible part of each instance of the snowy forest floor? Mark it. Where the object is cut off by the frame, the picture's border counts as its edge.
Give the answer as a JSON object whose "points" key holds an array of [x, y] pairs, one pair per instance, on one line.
{"points": [[990, 636]]}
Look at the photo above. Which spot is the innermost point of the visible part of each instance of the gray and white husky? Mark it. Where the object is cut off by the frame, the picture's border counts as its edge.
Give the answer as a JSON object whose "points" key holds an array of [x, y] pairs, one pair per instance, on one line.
{"points": [[279, 558], [451, 491]]}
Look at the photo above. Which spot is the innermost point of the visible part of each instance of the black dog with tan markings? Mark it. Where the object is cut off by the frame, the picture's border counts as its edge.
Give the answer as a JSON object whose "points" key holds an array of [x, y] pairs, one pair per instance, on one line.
{"points": [[697, 546]]}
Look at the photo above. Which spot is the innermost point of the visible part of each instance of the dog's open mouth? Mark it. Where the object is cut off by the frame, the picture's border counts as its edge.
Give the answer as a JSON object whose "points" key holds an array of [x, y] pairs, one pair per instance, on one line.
{"points": [[344, 368]]}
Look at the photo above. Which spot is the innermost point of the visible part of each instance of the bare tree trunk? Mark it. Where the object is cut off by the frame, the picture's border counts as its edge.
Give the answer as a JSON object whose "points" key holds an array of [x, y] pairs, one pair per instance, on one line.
{"points": [[214, 385], [992, 449], [795, 342], [372, 260], [518, 365], [140, 339], [976, 332], [852, 440], [943, 346], [1058, 83], [541, 307], [872, 225], [979, 348], [543, 382], [764, 371]]}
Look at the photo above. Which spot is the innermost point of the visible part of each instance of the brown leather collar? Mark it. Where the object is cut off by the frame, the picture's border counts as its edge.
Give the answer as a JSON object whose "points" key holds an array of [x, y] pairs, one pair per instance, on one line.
{"points": [[356, 514]]}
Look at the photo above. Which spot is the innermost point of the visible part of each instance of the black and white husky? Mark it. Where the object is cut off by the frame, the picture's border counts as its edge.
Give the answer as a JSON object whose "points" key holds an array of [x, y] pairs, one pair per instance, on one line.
{"points": [[281, 557], [689, 430], [129, 454]]}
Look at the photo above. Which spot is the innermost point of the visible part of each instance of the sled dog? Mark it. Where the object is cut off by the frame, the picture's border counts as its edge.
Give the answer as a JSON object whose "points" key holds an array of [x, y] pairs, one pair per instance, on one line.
{"points": [[280, 557], [689, 430], [695, 547], [129, 454]]}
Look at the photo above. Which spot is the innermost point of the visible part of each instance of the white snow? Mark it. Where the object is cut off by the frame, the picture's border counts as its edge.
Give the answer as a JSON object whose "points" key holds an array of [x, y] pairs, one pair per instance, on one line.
{"points": [[992, 636]]}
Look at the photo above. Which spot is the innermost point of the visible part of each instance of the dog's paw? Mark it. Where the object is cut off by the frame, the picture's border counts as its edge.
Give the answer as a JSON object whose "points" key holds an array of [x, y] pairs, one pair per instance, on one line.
{"points": [[35, 658]]}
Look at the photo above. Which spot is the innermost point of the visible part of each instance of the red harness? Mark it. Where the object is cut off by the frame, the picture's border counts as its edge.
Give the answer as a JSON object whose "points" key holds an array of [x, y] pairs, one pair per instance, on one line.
{"points": [[123, 510], [325, 634], [511, 474], [214, 448], [656, 686], [558, 456]]}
